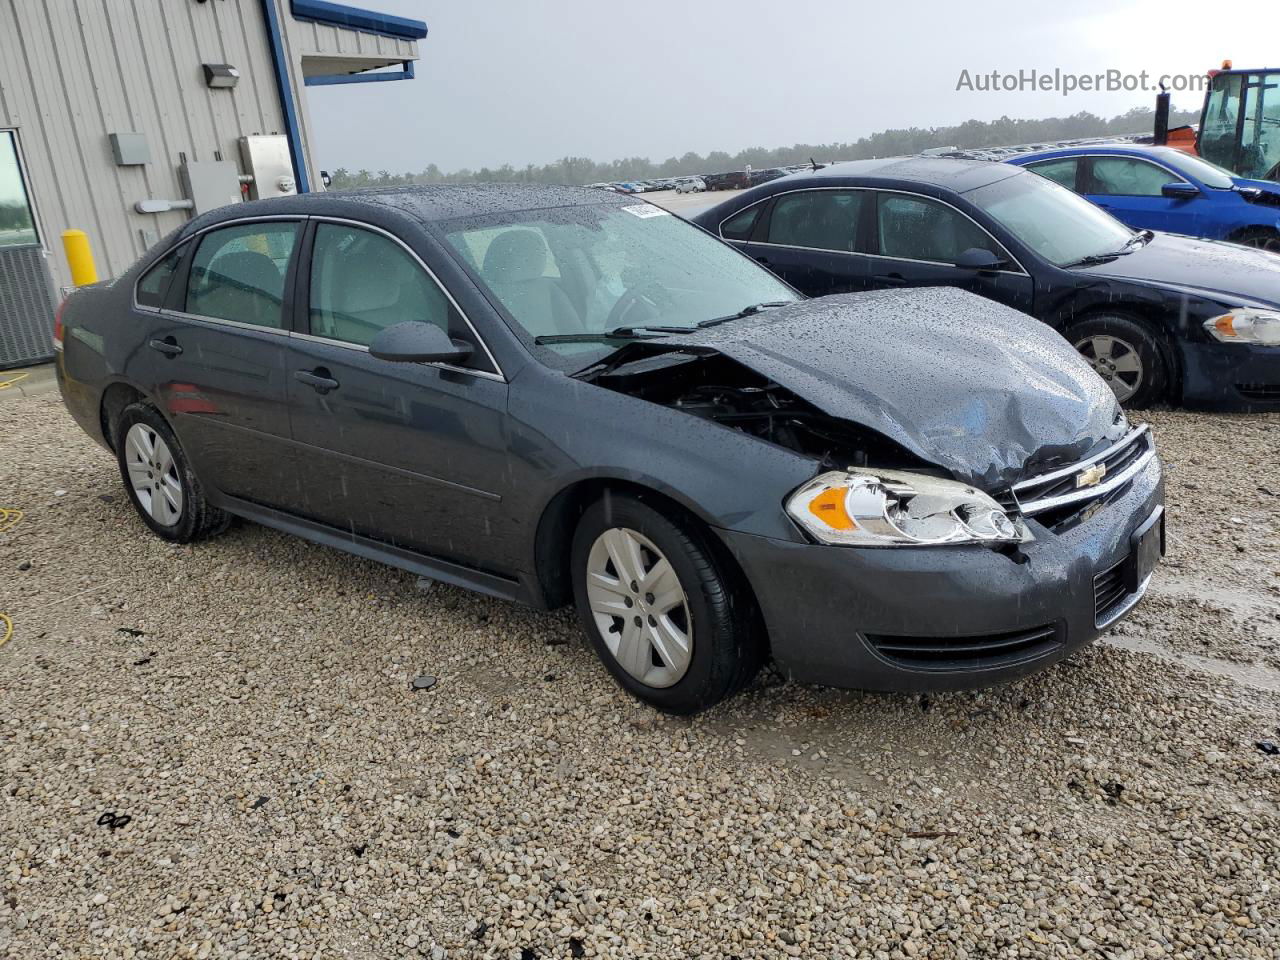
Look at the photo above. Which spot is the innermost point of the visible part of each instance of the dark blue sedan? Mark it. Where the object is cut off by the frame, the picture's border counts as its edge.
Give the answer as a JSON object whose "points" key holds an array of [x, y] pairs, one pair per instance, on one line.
{"points": [[1160, 317], [1160, 188]]}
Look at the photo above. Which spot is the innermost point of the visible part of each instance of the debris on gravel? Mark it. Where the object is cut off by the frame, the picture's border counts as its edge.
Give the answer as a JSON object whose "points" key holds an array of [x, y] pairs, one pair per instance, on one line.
{"points": [[242, 714]]}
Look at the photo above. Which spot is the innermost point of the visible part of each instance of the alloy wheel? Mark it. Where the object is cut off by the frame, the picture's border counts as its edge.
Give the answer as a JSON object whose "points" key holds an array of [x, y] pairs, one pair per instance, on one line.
{"points": [[153, 474], [639, 607], [1116, 361]]}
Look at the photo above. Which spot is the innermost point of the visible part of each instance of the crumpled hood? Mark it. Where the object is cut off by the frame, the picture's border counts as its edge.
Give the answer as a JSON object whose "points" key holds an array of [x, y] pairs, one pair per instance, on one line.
{"points": [[986, 392]]}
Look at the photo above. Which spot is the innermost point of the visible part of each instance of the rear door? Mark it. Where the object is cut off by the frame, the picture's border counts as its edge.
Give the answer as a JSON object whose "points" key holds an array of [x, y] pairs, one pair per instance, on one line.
{"points": [[811, 239], [411, 454], [1131, 190], [214, 354], [918, 239]]}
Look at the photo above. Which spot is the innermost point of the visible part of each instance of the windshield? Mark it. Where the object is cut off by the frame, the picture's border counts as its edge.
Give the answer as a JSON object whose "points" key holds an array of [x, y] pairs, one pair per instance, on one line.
{"points": [[1059, 225], [587, 270], [1210, 174]]}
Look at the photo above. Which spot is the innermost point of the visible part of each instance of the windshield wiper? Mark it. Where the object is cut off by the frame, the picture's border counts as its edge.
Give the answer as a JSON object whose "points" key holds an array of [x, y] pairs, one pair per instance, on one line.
{"points": [[744, 312], [1145, 236], [617, 333]]}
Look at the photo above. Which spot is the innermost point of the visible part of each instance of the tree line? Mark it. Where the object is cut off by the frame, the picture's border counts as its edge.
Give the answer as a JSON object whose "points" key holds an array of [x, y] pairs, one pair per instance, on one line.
{"points": [[887, 143]]}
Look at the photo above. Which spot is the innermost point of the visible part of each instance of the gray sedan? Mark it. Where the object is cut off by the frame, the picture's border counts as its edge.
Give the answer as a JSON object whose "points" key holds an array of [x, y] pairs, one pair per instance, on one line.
{"points": [[556, 395]]}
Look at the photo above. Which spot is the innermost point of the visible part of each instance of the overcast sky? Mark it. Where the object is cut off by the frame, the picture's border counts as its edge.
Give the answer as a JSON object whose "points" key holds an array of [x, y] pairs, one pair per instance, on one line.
{"points": [[506, 81]]}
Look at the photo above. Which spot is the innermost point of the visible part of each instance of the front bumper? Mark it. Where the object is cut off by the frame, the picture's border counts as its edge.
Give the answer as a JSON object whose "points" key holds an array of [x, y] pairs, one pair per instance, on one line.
{"points": [[858, 617], [1231, 376]]}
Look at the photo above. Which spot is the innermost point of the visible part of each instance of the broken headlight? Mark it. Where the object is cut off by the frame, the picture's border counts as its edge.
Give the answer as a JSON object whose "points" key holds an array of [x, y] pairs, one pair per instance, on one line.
{"points": [[886, 508], [1244, 325]]}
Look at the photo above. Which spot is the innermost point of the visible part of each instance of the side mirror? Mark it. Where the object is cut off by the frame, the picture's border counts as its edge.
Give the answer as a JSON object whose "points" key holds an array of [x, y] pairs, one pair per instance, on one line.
{"points": [[977, 258], [414, 342], [1180, 191]]}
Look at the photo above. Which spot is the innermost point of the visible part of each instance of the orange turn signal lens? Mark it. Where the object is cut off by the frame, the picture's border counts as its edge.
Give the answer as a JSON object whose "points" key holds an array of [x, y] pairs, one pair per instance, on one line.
{"points": [[1225, 325], [828, 506]]}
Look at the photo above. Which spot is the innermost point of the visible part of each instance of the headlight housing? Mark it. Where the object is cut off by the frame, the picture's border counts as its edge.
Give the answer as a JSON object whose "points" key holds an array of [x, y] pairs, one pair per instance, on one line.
{"points": [[1246, 325], [890, 508]]}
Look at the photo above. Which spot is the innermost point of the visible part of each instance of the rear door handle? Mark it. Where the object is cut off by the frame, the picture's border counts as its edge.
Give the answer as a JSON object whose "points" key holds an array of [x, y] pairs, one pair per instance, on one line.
{"points": [[318, 379], [892, 280], [169, 347]]}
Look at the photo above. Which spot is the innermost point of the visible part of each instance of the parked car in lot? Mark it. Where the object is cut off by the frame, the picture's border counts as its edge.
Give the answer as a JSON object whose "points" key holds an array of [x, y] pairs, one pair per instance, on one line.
{"points": [[1161, 188], [757, 177], [734, 180], [1160, 317], [555, 394], [690, 185]]}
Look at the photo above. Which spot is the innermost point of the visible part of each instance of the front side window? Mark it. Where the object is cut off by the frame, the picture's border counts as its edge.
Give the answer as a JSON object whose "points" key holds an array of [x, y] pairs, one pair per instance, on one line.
{"points": [[363, 282], [1061, 171], [916, 228], [740, 225], [154, 284], [820, 219], [238, 273], [1059, 225], [1128, 177], [587, 270]]}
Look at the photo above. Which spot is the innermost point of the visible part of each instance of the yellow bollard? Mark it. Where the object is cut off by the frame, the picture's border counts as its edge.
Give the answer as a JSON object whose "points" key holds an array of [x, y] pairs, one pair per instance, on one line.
{"points": [[79, 257]]}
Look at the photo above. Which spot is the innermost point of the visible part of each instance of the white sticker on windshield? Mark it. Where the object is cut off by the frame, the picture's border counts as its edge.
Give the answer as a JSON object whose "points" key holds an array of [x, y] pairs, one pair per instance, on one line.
{"points": [[646, 210]]}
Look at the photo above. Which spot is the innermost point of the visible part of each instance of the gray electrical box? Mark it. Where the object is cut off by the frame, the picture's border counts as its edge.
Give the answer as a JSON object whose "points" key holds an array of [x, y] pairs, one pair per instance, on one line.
{"points": [[267, 160], [210, 184], [129, 149]]}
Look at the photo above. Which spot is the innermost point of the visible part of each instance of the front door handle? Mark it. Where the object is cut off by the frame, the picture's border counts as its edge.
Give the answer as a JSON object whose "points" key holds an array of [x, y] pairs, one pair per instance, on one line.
{"points": [[892, 280], [318, 379], [168, 346]]}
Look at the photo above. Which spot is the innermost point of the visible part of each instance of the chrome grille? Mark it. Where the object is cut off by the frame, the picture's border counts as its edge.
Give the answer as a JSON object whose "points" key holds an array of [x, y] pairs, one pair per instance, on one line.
{"points": [[1121, 462]]}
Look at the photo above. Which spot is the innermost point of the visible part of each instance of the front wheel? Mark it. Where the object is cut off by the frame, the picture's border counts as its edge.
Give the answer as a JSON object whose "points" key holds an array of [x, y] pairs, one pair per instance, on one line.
{"points": [[664, 611], [1261, 238], [1126, 355]]}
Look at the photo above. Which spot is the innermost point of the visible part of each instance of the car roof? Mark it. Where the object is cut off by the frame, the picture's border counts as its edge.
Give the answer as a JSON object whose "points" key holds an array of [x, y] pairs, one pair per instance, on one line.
{"points": [[1116, 149], [959, 176], [423, 203]]}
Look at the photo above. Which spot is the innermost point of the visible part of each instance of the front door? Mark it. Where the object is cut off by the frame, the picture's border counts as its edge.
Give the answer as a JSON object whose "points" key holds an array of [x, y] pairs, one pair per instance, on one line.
{"points": [[410, 454], [212, 352], [917, 241], [1131, 190]]}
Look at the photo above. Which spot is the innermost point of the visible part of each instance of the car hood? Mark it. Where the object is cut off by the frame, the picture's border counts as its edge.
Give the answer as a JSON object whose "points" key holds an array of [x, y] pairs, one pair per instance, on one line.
{"points": [[988, 393], [1222, 271]]}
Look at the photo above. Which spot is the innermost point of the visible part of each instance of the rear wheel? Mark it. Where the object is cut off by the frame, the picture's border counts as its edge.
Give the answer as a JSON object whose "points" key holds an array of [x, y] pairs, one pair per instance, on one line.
{"points": [[1126, 355], [159, 480], [663, 610]]}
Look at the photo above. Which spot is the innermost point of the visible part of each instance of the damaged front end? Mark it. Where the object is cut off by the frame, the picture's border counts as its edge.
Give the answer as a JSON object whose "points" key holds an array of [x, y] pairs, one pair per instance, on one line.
{"points": [[871, 491]]}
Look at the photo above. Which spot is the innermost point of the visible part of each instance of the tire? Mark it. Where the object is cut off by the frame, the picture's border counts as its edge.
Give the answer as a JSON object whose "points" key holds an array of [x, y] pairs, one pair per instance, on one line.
{"points": [[1137, 368], [158, 478], [716, 613], [1263, 238]]}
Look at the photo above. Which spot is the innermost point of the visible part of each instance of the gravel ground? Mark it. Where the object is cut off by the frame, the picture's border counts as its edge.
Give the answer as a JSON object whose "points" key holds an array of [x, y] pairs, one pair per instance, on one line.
{"points": [[247, 703]]}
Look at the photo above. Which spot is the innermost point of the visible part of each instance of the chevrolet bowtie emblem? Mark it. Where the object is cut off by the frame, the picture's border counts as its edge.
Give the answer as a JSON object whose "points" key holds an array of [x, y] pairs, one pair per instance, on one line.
{"points": [[1092, 476]]}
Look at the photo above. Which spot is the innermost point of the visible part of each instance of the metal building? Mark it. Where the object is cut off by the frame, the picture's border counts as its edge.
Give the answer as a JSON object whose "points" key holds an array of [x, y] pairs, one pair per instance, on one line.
{"points": [[123, 118]]}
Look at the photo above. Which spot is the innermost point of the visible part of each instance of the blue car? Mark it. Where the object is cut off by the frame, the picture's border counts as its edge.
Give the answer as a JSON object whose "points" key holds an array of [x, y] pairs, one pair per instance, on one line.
{"points": [[1160, 188]]}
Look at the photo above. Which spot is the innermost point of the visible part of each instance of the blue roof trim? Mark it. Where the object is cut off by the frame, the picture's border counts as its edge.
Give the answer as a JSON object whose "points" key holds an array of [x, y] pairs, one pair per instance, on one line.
{"points": [[293, 131], [340, 15], [333, 79]]}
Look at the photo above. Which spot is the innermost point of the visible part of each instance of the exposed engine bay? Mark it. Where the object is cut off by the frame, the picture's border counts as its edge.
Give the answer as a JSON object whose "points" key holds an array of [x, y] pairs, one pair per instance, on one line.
{"points": [[714, 387]]}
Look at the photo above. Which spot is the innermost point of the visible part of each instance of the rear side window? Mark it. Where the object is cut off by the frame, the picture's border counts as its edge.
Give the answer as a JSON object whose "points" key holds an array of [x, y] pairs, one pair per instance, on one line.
{"points": [[738, 227], [820, 219], [916, 228], [1059, 171], [1126, 177], [238, 273], [154, 285]]}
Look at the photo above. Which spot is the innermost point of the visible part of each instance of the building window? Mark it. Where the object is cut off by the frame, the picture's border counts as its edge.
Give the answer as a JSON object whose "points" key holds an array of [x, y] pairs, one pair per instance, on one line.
{"points": [[17, 223]]}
